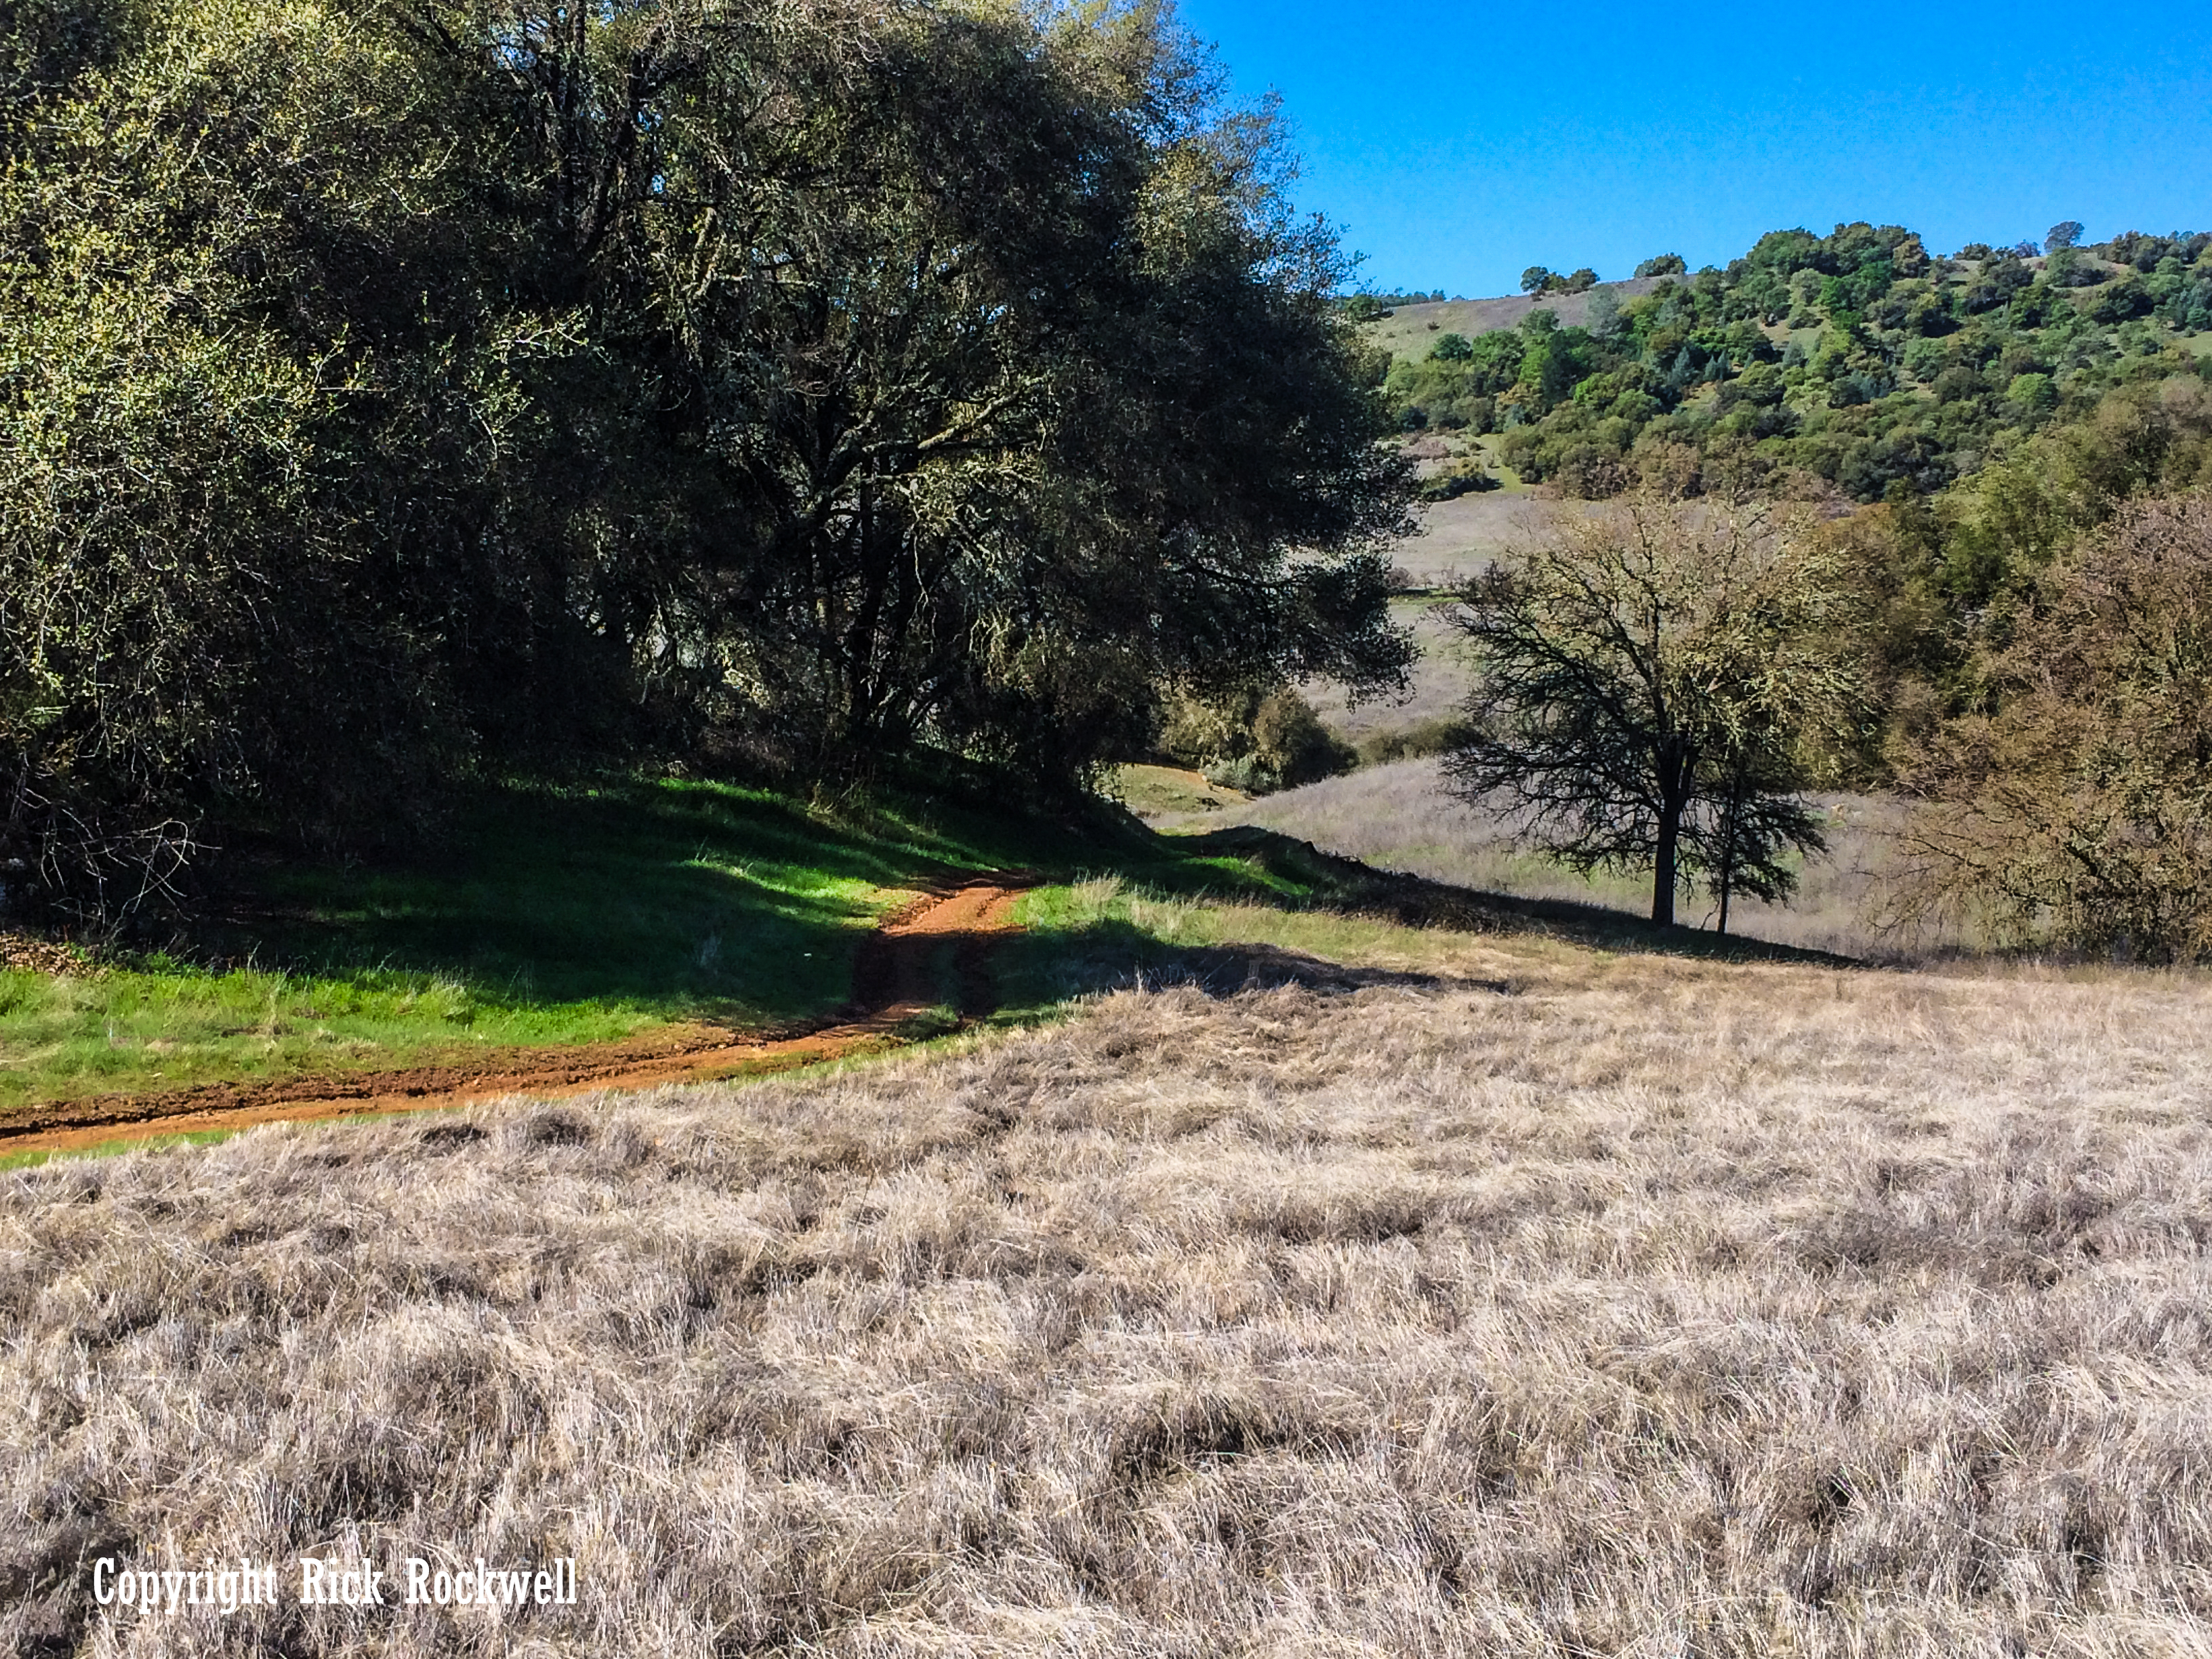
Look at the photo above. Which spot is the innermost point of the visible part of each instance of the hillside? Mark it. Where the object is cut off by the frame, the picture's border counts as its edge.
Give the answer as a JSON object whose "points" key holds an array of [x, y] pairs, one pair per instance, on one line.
{"points": [[1851, 363], [1409, 331]]}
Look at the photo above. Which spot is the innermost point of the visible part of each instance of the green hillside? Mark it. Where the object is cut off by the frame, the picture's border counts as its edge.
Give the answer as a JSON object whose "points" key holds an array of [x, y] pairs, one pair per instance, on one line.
{"points": [[1856, 358]]}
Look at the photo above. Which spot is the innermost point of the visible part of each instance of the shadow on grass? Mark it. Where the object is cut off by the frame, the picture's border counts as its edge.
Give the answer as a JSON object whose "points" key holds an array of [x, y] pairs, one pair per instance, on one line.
{"points": [[687, 899], [1356, 889], [1037, 972]]}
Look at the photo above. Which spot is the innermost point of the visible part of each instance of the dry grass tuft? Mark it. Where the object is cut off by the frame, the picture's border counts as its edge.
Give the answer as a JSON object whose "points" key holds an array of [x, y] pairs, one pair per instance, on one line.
{"points": [[1651, 1308]]}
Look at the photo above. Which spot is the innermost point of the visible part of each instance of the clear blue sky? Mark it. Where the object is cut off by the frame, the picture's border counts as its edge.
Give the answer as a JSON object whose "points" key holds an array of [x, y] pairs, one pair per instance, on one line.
{"points": [[1457, 144]]}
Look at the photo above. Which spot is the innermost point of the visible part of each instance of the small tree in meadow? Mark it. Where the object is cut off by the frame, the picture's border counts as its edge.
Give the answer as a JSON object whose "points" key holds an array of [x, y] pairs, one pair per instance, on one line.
{"points": [[1655, 690]]}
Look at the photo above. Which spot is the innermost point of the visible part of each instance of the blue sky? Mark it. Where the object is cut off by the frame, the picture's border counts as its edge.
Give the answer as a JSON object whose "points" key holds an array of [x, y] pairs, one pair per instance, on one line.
{"points": [[1456, 144]]}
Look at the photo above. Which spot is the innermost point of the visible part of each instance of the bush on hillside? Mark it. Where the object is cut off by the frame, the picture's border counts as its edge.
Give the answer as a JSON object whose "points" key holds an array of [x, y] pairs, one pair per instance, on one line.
{"points": [[1258, 742], [1420, 741], [2073, 808], [1465, 478]]}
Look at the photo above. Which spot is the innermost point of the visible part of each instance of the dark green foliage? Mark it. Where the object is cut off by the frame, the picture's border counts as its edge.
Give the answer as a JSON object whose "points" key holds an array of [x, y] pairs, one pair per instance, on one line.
{"points": [[1439, 735], [1664, 264], [1256, 740], [1369, 308], [1465, 478], [1539, 280], [399, 395], [1852, 362]]}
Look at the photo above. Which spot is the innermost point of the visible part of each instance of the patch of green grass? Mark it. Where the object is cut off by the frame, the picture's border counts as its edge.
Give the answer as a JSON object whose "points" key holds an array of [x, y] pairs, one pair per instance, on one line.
{"points": [[1160, 790], [115, 1148], [546, 916], [549, 916]]}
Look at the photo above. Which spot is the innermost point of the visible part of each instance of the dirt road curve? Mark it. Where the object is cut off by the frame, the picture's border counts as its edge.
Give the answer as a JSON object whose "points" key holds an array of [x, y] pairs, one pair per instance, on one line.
{"points": [[895, 979]]}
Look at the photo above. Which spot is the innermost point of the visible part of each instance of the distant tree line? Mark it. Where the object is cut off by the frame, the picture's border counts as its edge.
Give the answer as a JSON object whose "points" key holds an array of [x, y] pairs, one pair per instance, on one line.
{"points": [[399, 393], [1856, 360], [1540, 281]]}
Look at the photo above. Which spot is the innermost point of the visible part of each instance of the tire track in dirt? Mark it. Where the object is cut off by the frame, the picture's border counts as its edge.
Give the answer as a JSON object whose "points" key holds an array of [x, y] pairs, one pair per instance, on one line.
{"points": [[895, 981]]}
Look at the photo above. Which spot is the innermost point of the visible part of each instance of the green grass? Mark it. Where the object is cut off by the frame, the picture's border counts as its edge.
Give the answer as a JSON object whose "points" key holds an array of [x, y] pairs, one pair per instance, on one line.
{"points": [[547, 916], [1159, 791], [558, 916]]}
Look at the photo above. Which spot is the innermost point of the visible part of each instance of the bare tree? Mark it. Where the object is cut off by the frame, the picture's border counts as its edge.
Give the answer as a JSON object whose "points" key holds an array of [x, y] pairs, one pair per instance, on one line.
{"points": [[1657, 688]]}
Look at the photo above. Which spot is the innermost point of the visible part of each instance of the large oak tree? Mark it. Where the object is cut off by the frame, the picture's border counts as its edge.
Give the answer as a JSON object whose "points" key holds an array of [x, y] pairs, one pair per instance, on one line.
{"points": [[1655, 686], [397, 389]]}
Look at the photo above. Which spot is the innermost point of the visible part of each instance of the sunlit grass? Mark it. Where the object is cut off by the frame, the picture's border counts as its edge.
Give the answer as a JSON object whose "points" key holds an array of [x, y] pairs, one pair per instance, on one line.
{"points": [[547, 917], [167, 1025]]}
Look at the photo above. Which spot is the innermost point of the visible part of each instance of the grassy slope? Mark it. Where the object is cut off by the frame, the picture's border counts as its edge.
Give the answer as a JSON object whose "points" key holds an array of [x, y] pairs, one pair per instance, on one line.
{"points": [[551, 916], [1530, 1300], [1401, 816], [1408, 331]]}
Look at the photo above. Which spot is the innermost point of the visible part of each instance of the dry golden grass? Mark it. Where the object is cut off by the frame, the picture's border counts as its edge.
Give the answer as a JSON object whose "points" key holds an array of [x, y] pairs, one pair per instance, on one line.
{"points": [[1401, 816], [1557, 1304]]}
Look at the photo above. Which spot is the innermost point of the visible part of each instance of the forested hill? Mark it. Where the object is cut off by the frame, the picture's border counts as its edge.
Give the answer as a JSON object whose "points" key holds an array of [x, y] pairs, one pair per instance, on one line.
{"points": [[1857, 357]]}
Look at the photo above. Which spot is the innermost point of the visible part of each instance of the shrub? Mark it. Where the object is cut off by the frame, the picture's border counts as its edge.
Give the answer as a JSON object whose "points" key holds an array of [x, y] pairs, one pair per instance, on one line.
{"points": [[1439, 736], [2075, 808], [1591, 474], [1253, 741], [1464, 479]]}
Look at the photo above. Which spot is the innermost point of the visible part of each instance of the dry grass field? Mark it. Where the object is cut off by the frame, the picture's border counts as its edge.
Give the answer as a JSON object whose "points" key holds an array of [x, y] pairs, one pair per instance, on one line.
{"points": [[1400, 816], [1458, 539], [1477, 1295], [1441, 680]]}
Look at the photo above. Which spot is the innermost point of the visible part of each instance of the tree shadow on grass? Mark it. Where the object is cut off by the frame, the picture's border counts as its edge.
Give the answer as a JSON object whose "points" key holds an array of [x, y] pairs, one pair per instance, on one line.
{"points": [[1036, 972], [692, 900], [708, 900], [1351, 888]]}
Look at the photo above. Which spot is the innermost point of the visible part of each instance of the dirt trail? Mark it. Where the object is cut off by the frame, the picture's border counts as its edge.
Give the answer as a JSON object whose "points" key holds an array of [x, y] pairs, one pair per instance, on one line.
{"points": [[895, 980]]}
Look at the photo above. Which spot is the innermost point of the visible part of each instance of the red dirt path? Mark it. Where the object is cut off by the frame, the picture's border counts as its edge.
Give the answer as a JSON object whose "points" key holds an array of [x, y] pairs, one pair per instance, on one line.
{"points": [[894, 981]]}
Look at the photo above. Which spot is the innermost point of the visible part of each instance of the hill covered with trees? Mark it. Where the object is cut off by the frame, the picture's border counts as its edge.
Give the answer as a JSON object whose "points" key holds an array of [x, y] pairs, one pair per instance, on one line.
{"points": [[1858, 359]]}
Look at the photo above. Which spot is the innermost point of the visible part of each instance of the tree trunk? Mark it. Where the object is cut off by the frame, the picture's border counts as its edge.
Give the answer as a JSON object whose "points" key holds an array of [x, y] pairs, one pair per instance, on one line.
{"points": [[1663, 865], [1727, 857]]}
